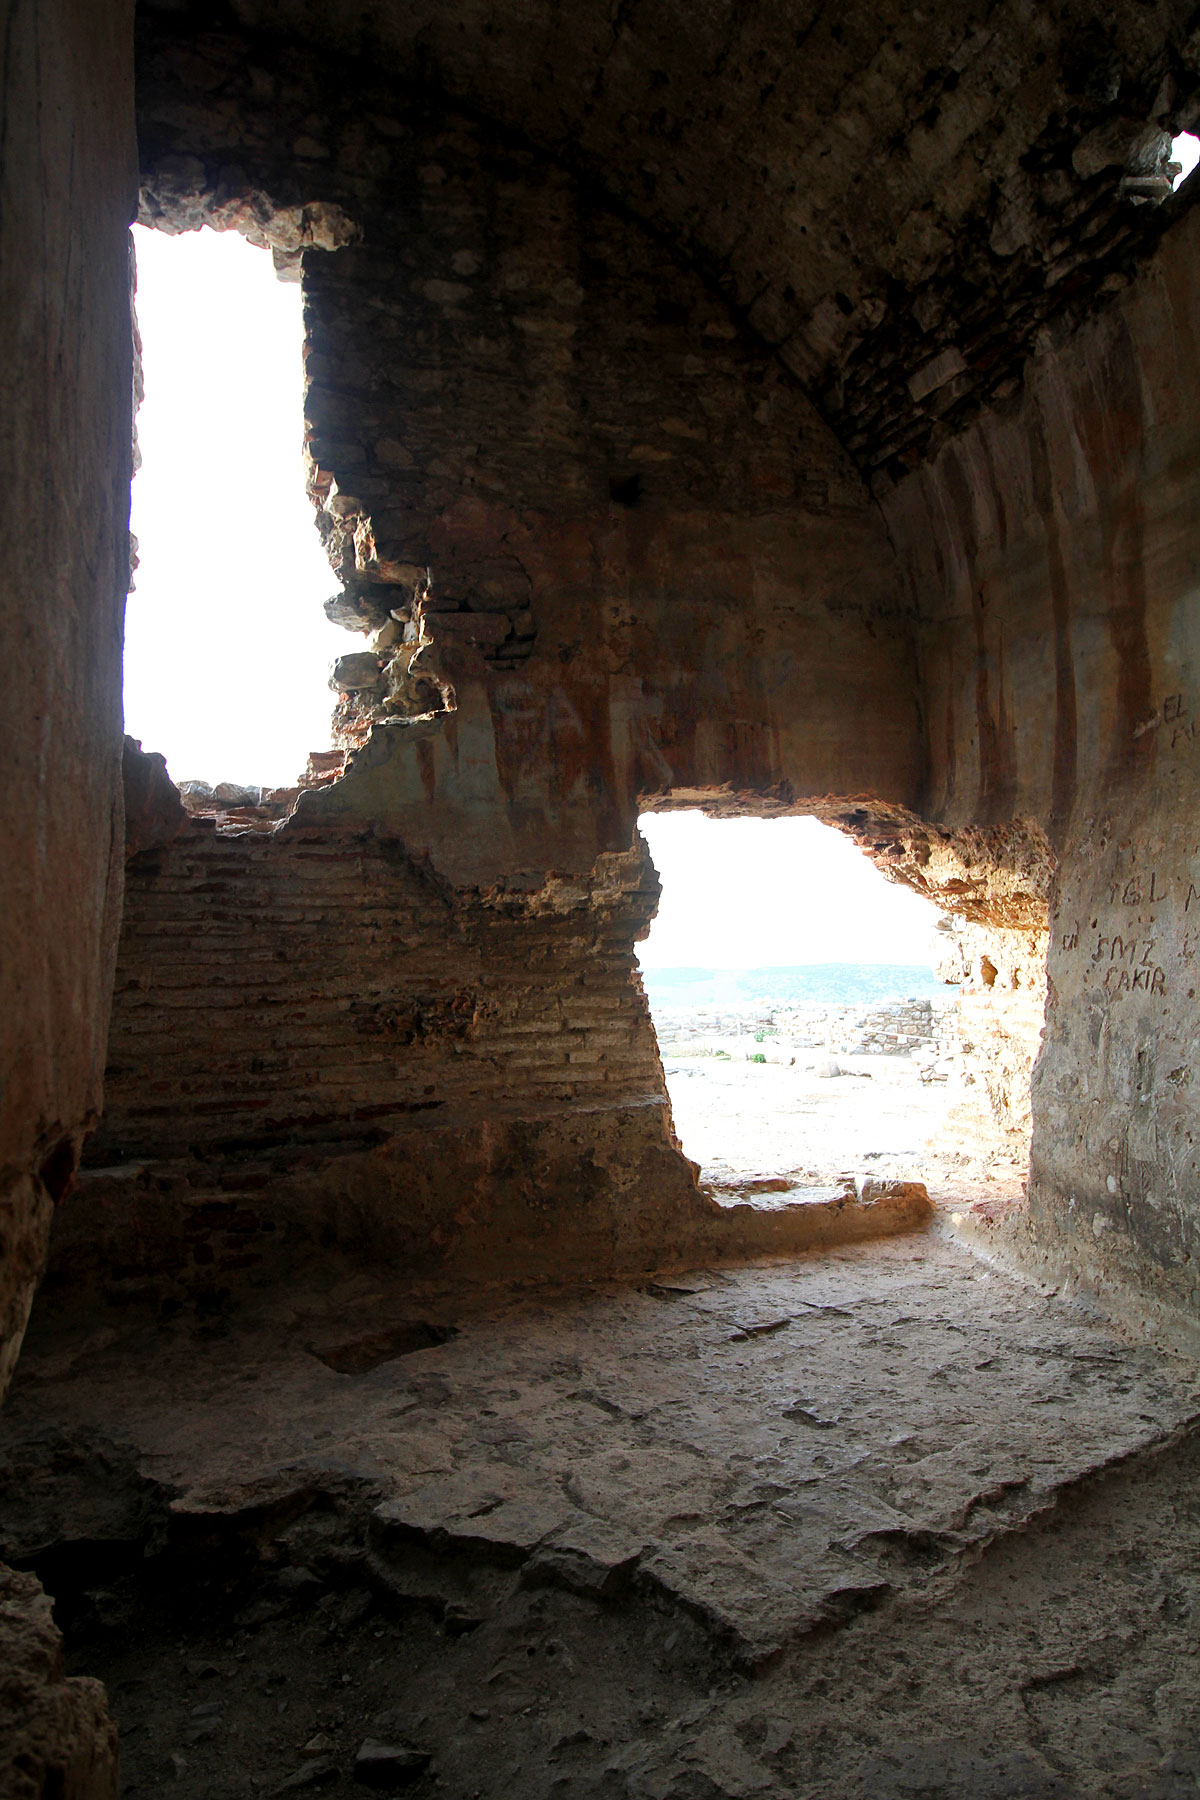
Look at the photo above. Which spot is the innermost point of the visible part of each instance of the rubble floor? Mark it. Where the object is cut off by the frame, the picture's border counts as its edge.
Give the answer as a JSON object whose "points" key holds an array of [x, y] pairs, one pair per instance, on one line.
{"points": [[872, 1523]]}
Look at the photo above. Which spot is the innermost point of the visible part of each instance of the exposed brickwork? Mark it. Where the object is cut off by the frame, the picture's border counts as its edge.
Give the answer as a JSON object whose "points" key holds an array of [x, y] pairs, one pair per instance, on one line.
{"points": [[322, 987], [322, 1048], [899, 202], [325, 1053]]}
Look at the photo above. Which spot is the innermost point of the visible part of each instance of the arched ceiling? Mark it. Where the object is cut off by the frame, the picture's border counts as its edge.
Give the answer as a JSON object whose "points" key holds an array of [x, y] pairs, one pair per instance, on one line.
{"points": [[896, 197]]}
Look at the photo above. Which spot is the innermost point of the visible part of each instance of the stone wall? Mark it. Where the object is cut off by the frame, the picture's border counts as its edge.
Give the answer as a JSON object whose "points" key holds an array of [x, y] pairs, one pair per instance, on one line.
{"points": [[601, 549], [56, 1737], [895, 200], [603, 552], [68, 191], [610, 546], [1052, 552], [600, 546], [1001, 1015], [326, 1057], [366, 976], [317, 1039]]}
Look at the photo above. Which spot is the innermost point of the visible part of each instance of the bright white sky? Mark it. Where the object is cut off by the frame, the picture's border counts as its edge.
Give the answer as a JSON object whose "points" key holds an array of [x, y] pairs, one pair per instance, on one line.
{"points": [[227, 651], [759, 893], [1185, 150]]}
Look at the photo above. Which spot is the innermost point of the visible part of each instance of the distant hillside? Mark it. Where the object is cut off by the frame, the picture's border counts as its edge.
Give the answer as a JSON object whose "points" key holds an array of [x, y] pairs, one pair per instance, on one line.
{"points": [[810, 984]]}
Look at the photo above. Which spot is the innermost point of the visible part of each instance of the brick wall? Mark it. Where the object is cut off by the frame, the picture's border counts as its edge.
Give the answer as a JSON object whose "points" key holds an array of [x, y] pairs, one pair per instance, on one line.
{"points": [[318, 1042], [305, 985]]}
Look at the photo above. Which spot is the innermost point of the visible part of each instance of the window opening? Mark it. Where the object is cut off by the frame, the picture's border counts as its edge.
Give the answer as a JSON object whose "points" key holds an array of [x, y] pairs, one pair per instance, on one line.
{"points": [[1185, 153], [809, 1017], [227, 649]]}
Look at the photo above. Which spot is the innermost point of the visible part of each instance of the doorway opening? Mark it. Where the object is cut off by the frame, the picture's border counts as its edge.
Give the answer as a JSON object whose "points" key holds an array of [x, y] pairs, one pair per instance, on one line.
{"points": [[227, 648], [820, 1025]]}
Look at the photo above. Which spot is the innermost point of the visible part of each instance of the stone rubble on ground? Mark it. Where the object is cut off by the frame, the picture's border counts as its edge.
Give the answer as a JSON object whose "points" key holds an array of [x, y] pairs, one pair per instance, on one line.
{"points": [[926, 1030]]}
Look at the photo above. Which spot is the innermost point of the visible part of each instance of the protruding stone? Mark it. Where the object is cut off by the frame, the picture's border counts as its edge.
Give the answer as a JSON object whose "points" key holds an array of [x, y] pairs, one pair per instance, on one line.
{"points": [[356, 673], [358, 609]]}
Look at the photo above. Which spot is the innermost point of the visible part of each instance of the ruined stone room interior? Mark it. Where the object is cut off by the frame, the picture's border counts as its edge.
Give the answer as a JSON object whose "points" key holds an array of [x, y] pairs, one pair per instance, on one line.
{"points": [[770, 409]]}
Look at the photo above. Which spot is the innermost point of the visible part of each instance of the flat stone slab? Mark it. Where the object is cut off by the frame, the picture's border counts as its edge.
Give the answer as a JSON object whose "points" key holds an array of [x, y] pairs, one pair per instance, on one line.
{"points": [[769, 1448]]}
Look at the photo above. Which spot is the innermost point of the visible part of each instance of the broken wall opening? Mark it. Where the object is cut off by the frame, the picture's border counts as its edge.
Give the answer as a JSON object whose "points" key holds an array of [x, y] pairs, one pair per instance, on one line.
{"points": [[227, 649], [820, 1025]]}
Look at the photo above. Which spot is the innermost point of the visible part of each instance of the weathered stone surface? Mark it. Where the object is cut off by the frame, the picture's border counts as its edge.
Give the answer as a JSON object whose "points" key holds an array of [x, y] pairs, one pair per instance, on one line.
{"points": [[1069, 1642], [26, 1210], [520, 404], [481, 1093], [607, 319], [236, 793], [357, 672], [55, 1734], [389, 1767], [154, 809]]}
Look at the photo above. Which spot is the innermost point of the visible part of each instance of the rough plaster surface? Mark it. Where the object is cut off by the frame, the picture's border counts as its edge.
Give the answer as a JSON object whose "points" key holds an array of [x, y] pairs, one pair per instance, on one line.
{"points": [[68, 194], [608, 551], [1051, 557], [55, 1734], [632, 559]]}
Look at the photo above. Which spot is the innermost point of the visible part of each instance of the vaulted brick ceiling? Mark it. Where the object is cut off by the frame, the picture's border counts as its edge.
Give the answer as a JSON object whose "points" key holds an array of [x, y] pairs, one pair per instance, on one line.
{"points": [[893, 196]]}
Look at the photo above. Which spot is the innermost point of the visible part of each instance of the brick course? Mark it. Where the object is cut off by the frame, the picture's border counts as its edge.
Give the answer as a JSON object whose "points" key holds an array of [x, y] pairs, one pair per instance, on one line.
{"points": [[288, 986]]}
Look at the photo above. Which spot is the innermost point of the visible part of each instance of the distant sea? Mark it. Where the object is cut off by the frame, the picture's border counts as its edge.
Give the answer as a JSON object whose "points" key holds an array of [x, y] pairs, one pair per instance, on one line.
{"points": [[808, 984]]}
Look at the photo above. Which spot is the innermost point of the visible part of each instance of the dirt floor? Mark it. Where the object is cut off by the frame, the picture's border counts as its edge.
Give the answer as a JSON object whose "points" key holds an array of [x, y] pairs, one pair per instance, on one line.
{"points": [[875, 1523], [740, 1119]]}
